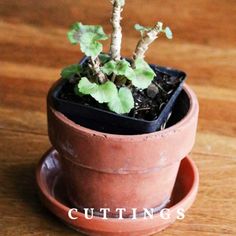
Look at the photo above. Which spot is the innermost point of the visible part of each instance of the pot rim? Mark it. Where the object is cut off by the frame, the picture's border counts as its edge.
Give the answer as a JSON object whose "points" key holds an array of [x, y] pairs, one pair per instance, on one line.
{"points": [[193, 109]]}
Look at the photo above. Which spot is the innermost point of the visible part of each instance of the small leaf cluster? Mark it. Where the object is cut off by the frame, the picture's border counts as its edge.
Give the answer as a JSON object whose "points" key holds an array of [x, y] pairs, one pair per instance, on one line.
{"points": [[120, 101], [121, 75], [142, 29], [88, 36]]}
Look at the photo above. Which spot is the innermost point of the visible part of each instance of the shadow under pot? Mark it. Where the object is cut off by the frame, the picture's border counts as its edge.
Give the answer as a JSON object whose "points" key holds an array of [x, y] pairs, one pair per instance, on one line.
{"points": [[102, 170]]}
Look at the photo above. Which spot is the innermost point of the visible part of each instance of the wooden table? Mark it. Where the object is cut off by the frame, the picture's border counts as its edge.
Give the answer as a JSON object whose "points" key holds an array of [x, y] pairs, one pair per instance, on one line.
{"points": [[34, 48]]}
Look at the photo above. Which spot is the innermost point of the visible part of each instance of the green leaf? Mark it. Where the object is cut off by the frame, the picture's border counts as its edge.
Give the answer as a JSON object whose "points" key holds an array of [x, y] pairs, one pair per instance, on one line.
{"points": [[141, 76], [141, 28], [68, 71], [121, 67], [104, 58], [92, 49], [109, 67], [87, 36], [86, 87], [77, 92], [168, 33], [123, 102], [105, 93], [167, 30], [130, 74], [102, 93], [120, 102], [144, 74]]}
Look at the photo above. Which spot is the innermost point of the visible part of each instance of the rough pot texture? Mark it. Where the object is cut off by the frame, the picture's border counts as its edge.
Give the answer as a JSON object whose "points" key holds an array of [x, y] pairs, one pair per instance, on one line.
{"points": [[121, 171]]}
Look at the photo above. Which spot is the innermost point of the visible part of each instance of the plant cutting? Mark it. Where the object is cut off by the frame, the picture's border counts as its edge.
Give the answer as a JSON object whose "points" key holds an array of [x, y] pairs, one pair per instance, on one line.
{"points": [[121, 126], [109, 79], [128, 92]]}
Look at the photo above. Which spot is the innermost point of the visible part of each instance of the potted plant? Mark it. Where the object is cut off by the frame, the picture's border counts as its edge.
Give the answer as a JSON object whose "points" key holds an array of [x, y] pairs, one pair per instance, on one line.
{"points": [[106, 119], [107, 84]]}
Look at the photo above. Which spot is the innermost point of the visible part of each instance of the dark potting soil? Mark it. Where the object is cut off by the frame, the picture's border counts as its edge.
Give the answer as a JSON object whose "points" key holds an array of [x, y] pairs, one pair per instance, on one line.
{"points": [[148, 103]]}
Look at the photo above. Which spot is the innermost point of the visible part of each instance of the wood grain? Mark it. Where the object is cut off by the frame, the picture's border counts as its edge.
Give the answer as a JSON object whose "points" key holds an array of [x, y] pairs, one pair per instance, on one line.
{"points": [[34, 48]]}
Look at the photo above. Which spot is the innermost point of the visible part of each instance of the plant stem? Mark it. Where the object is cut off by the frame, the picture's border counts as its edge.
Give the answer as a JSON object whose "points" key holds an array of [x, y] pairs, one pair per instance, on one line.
{"points": [[116, 36], [113, 78], [95, 62], [146, 40]]}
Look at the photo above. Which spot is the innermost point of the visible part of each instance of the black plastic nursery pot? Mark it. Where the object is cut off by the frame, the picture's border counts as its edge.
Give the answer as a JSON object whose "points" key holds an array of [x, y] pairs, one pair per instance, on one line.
{"points": [[109, 122]]}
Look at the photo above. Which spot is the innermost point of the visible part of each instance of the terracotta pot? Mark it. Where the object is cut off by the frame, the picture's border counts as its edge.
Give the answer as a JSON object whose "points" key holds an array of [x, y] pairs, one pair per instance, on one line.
{"points": [[104, 170], [52, 194]]}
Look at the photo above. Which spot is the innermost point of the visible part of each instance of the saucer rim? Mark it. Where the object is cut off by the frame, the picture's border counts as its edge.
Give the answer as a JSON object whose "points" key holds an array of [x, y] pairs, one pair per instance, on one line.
{"points": [[47, 196]]}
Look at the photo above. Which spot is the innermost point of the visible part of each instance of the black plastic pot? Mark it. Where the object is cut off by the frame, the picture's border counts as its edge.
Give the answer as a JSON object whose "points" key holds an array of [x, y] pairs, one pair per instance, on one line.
{"points": [[109, 122]]}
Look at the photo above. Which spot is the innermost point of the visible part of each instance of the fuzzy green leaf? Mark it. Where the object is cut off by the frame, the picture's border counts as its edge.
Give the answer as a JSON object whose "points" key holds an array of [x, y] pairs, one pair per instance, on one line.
{"points": [[167, 30], [130, 74], [104, 58], [102, 93], [123, 102], [121, 67], [105, 93], [141, 28], [109, 67], [86, 87], [71, 70], [144, 74], [87, 36], [120, 102], [168, 33]]}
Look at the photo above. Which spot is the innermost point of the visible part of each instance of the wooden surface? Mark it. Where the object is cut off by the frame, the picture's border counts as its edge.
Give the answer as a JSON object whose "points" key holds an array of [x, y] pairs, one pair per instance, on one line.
{"points": [[33, 48]]}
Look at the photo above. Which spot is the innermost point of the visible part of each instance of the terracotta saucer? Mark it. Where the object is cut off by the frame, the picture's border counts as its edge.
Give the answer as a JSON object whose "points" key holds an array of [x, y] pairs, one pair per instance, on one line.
{"points": [[52, 193]]}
